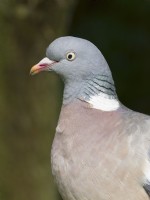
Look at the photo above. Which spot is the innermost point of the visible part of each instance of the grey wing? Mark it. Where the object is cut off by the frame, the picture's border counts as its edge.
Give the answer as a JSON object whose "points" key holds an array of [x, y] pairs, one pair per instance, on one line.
{"points": [[147, 188]]}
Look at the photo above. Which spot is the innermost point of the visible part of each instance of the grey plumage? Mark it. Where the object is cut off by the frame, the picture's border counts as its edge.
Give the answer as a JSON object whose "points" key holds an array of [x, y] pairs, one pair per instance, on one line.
{"points": [[78, 73], [101, 148], [147, 188]]}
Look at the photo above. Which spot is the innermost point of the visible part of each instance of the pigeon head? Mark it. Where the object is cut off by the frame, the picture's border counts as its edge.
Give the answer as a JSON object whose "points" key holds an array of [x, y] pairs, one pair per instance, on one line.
{"points": [[81, 65], [73, 59]]}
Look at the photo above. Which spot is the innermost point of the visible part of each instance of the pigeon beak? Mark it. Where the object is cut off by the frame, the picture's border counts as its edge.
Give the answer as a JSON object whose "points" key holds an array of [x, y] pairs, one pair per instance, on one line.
{"points": [[43, 65]]}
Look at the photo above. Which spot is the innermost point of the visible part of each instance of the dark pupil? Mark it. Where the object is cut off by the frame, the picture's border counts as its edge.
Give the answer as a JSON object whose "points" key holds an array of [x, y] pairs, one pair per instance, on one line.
{"points": [[69, 56]]}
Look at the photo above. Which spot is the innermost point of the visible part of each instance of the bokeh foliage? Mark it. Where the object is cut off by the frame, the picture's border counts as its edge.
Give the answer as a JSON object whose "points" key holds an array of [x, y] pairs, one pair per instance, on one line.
{"points": [[29, 107]]}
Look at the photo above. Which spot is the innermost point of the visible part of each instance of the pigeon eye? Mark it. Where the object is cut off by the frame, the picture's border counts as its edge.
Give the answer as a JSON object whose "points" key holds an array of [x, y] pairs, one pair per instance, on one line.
{"points": [[70, 56]]}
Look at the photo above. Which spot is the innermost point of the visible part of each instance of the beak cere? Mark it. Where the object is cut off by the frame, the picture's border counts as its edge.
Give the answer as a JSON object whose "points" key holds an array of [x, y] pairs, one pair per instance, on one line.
{"points": [[43, 65]]}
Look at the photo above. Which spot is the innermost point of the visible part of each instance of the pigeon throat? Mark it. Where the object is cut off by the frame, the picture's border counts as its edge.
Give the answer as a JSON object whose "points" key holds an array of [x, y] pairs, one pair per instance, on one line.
{"points": [[98, 91]]}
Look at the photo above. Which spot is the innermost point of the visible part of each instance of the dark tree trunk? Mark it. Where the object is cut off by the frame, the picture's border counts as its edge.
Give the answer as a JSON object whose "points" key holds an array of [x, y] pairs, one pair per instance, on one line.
{"points": [[29, 106]]}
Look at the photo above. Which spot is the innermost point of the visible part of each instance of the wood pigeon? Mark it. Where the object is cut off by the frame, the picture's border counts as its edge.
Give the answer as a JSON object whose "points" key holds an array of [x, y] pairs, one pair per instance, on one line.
{"points": [[101, 149]]}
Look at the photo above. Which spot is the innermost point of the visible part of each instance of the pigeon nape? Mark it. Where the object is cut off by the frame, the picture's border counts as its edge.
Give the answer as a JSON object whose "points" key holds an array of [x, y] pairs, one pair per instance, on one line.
{"points": [[101, 148]]}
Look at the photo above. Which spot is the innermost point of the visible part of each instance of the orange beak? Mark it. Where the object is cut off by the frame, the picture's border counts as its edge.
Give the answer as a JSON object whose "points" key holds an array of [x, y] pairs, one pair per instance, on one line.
{"points": [[43, 65]]}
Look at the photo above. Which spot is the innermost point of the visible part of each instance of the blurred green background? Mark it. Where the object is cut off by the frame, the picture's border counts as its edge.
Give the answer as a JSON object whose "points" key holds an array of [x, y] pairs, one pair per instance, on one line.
{"points": [[29, 106]]}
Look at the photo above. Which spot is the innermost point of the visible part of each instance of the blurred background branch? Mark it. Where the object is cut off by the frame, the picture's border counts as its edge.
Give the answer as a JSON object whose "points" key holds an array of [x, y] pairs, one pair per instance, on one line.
{"points": [[29, 106]]}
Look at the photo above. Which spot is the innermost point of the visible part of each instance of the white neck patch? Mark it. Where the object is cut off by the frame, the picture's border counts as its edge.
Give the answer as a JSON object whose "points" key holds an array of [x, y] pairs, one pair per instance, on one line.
{"points": [[103, 102]]}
